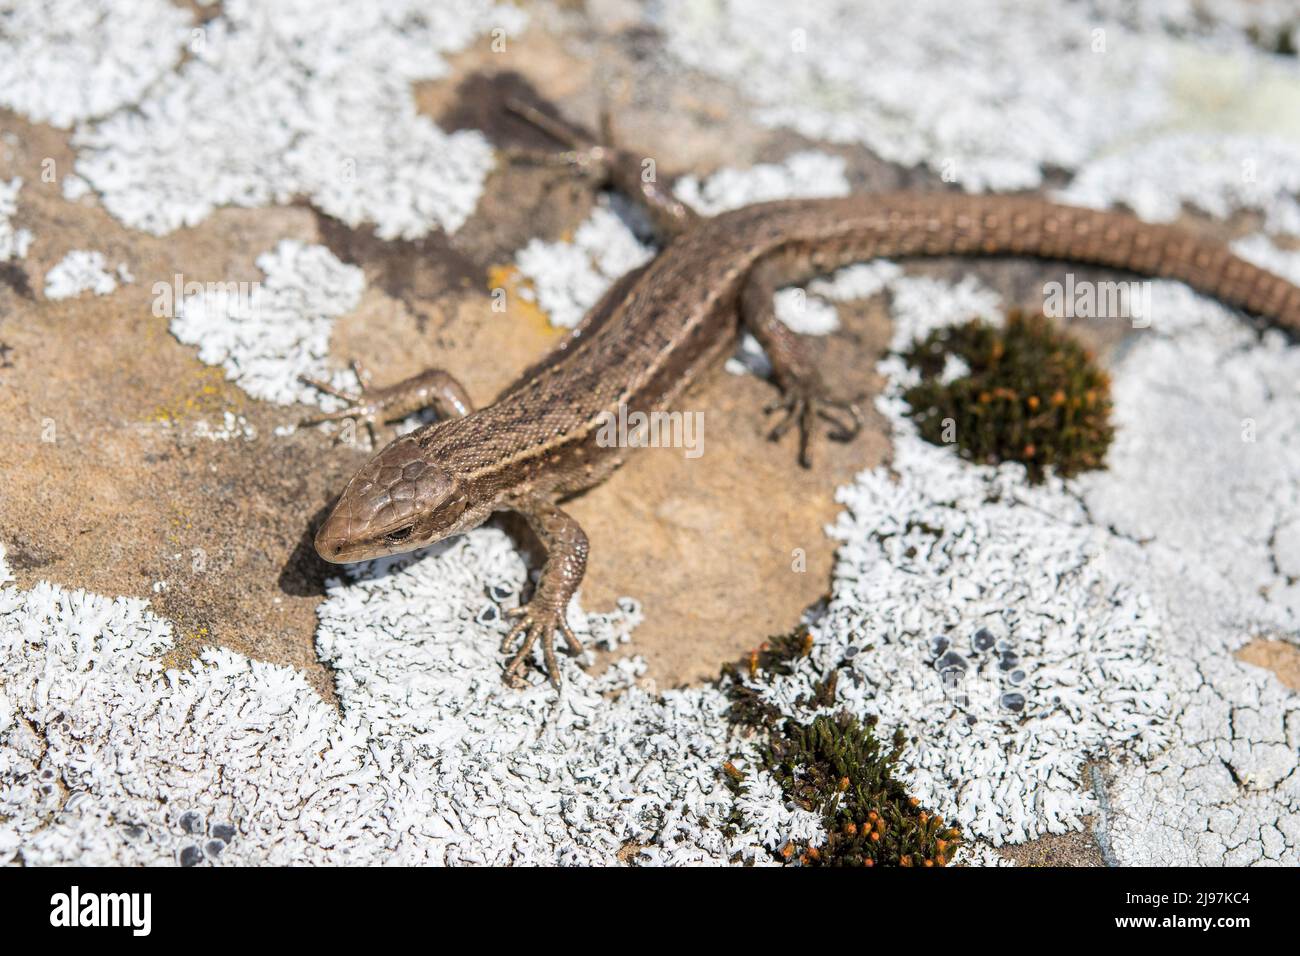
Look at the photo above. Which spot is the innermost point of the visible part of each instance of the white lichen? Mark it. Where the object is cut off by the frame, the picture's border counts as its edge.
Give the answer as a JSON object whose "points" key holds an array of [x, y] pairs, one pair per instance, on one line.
{"points": [[302, 98], [980, 616], [230, 426], [986, 101], [78, 272], [1213, 173], [14, 242], [1210, 508], [266, 334], [74, 188], [803, 175], [65, 61], [994, 97], [1270, 23], [104, 757], [568, 278]]}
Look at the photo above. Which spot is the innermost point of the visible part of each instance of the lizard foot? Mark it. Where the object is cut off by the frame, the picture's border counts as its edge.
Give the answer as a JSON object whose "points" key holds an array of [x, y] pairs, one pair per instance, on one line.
{"points": [[359, 406], [802, 405], [533, 621], [589, 157]]}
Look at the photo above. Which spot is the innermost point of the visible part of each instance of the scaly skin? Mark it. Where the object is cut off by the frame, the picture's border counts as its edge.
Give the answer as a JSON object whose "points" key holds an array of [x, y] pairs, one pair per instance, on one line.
{"points": [[665, 325]]}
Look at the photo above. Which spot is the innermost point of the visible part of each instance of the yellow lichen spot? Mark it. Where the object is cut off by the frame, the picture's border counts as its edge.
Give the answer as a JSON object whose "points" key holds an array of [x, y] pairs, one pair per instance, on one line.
{"points": [[509, 278]]}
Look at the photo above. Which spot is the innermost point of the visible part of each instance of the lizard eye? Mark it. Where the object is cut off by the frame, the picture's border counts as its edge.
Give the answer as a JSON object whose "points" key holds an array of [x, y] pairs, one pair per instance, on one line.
{"points": [[400, 535]]}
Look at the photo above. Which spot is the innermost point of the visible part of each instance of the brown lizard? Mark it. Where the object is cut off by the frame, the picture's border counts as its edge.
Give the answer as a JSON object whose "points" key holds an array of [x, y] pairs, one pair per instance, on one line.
{"points": [[669, 322]]}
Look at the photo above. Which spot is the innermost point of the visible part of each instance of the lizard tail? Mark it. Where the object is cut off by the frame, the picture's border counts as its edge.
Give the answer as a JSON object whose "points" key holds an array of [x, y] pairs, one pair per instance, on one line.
{"points": [[941, 224]]}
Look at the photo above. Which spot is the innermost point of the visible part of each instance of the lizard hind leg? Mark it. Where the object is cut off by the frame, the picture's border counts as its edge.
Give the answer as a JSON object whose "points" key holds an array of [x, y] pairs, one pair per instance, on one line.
{"points": [[583, 153], [804, 397], [624, 171]]}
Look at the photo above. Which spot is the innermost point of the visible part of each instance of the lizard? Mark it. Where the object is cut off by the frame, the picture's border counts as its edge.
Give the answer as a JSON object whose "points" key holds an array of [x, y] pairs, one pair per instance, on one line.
{"points": [[666, 324]]}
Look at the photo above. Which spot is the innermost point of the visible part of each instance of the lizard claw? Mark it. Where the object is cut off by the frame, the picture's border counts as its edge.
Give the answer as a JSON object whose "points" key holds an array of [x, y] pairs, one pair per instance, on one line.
{"points": [[356, 409], [591, 159], [535, 621], [358, 406], [803, 404]]}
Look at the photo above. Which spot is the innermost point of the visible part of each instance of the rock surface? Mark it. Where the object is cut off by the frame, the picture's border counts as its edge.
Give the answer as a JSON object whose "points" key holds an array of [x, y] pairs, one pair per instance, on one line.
{"points": [[135, 469]]}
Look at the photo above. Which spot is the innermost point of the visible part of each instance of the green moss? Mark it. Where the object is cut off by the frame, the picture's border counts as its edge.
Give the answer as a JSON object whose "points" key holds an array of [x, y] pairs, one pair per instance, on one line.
{"points": [[1033, 395], [836, 766], [775, 658]]}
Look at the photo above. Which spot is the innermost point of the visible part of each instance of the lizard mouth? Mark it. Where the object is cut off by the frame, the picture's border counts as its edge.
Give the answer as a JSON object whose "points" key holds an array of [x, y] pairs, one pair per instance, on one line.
{"points": [[337, 542]]}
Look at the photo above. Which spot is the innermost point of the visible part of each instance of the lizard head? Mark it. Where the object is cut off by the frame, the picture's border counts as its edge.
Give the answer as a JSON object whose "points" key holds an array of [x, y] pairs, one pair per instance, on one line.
{"points": [[397, 502]]}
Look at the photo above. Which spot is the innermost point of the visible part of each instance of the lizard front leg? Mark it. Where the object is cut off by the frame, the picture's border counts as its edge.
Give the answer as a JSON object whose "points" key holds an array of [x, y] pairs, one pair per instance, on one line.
{"points": [[804, 398], [374, 405], [540, 618]]}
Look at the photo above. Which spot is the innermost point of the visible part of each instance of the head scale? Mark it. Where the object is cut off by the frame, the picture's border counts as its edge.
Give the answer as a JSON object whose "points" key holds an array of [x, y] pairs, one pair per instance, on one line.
{"points": [[398, 502]]}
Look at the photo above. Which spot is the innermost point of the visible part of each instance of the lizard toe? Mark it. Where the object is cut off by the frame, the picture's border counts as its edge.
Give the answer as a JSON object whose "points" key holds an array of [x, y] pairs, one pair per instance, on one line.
{"points": [[802, 406], [536, 625]]}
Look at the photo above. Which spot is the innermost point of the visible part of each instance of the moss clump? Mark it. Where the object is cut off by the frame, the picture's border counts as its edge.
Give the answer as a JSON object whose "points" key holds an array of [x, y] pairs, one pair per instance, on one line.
{"points": [[775, 658], [836, 766], [1033, 395]]}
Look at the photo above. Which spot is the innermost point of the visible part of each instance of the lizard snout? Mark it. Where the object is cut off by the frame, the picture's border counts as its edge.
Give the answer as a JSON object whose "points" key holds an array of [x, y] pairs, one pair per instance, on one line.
{"points": [[334, 537]]}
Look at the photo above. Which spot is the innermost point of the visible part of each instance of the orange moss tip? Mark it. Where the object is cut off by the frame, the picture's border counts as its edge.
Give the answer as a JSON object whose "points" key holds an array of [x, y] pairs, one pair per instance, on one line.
{"points": [[733, 771]]}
